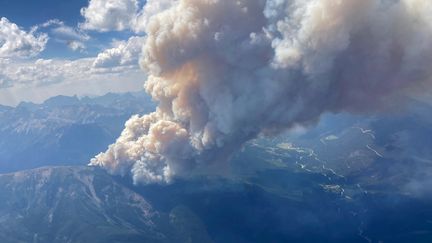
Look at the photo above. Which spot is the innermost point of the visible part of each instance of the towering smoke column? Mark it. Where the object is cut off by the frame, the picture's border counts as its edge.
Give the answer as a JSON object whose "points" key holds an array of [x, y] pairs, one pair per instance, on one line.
{"points": [[226, 71]]}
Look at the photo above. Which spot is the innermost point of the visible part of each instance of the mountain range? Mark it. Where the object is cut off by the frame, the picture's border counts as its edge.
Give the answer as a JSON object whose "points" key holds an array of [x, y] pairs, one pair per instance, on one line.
{"points": [[64, 130], [79, 204], [351, 178]]}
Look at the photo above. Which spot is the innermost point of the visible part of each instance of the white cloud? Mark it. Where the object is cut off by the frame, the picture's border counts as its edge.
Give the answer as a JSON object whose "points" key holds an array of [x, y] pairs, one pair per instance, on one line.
{"points": [[151, 8], [42, 72], [31, 73], [106, 15], [119, 15], [124, 53], [48, 23], [121, 59], [15, 42], [68, 33], [77, 46]]}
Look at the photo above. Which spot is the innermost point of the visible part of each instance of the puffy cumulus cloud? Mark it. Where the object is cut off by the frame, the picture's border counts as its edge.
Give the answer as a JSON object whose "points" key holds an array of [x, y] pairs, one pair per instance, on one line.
{"points": [[151, 8], [124, 53], [106, 15], [225, 72], [119, 15], [15, 42]]}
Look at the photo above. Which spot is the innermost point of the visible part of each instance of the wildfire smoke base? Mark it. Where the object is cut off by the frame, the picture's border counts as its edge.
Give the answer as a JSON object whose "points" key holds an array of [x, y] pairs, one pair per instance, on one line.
{"points": [[225, 71]]}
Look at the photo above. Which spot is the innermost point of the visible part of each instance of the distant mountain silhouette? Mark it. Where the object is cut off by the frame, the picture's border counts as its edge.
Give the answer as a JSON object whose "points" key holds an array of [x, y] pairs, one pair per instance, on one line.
{"points": [[64, 130]]}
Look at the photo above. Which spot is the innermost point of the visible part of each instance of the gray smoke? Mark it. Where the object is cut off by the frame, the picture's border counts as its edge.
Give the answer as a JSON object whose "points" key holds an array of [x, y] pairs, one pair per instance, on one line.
{"points": [[226, 71]]}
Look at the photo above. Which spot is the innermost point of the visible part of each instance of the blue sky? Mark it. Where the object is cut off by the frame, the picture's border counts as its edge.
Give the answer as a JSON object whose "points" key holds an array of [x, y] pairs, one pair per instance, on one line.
{"points": [[53, 47], [26, 13]]}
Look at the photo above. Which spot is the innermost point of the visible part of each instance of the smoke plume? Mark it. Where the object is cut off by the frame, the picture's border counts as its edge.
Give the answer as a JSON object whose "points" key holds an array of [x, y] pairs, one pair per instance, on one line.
{"points": [[225, 71]]}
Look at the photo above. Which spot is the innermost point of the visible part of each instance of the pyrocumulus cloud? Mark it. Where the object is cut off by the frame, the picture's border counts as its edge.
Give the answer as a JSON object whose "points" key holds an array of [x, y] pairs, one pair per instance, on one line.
{"points": [[225, 71]]}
